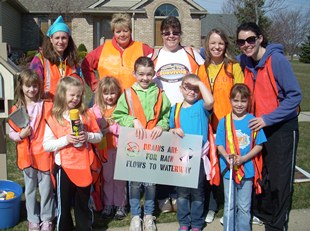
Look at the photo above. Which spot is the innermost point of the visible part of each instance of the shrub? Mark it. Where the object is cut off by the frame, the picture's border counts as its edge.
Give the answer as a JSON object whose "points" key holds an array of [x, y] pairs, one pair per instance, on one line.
{"points": [[82, 54], [81, 47]]}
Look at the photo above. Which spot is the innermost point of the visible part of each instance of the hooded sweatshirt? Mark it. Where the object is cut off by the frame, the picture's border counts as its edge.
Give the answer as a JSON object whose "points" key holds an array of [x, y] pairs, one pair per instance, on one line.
{"points": [[289, 93]]}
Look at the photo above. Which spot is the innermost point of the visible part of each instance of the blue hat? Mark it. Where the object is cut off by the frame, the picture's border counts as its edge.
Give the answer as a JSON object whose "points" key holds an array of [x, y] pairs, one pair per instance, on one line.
{"points": [[58, 25]]}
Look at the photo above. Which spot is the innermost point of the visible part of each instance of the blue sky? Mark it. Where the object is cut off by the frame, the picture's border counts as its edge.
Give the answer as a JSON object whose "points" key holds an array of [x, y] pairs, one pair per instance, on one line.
{"points": [[215, 6]]}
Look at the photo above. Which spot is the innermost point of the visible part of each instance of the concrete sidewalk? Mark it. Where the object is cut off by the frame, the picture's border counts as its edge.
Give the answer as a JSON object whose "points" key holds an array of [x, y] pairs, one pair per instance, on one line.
{"points": [[299, 221]]}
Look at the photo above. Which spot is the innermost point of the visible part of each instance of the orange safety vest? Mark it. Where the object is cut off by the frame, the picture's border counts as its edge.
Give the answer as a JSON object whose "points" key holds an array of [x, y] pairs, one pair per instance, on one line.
{"points": [[215, 176], [220, 91], [78, 163], [52, 75], [121, 66], [30, 153], [264, 90], [135, 108], [190, 54], [232, 147]]}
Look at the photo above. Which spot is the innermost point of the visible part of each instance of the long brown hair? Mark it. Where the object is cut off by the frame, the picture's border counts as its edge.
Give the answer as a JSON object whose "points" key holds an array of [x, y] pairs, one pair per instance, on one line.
{"points": [[228, 58], [60, 102], [27, 77]]}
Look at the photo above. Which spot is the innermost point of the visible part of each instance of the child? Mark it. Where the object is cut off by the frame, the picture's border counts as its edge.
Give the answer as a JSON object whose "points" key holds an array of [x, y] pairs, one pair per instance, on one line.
{"points": [[143, 106], [192, 119], [219, 72], [235, 140], [114, 191], [31, 157], [72, 164]]}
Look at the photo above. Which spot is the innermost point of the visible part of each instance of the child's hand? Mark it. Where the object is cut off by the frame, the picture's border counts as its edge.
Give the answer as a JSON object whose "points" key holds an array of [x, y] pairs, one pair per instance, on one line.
{"points": [[83, 136], [72, 138], [25, 132], [228, 157], [177, 131], [239, 160], [156, 132], [140, 130]]}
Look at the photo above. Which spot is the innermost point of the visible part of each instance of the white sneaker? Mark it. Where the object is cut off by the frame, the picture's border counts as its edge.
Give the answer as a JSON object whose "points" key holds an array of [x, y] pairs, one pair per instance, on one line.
{"points": [[256, 221], [222, 220], [148, 223], [135, 224], [210, 216]]}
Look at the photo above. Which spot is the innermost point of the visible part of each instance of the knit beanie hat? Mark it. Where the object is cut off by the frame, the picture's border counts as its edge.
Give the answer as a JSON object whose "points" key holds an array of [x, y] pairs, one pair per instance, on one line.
{"points": [[58, 25]]}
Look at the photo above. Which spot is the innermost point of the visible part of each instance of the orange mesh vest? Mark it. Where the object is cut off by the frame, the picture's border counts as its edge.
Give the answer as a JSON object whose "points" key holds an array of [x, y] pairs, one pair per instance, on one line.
{"points": [[135, 108], [220, 91], [30, 153], [77, 162], [52, 75], [232, 147], [121, 66], [264, 90], [215, 177]]}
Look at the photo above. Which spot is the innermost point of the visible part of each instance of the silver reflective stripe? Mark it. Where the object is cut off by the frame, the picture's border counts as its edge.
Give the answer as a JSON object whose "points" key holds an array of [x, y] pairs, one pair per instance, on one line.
{"points": [[47, 69], [129, 100]]}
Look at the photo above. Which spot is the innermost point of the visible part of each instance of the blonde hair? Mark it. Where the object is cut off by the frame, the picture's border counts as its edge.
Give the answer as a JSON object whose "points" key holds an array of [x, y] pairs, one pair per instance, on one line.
{"points": [[190, 76], [121, 20], [27, 77], [106, 84], [60, 102]]}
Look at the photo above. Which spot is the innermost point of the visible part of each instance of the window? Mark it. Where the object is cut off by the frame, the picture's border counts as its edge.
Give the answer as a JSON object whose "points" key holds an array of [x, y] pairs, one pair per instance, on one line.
{"points": [[162, 12]]}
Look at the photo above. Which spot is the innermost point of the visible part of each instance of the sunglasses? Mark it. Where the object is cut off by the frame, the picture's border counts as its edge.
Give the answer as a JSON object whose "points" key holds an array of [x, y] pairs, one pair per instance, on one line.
{"points": [[174, 33], [250, 40]]}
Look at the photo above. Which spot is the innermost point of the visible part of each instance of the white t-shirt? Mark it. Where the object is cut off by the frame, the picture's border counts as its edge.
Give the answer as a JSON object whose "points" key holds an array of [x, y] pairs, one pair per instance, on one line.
{"points": [[170, 69]]}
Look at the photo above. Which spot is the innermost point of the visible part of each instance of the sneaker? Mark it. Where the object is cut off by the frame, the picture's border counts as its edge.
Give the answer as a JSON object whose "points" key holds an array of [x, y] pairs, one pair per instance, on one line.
{"points": [[120, 213], [210, 216], [174, 205], [32, 226], [165, 205], [222, 220], [135, 224], [148, 223], [183, 228], [47, 226], [257, 221], [108, 211], [196, 229]]}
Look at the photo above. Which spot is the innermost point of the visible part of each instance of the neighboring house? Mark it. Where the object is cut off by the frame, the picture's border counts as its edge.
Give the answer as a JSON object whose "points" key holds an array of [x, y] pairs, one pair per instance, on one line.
{"points": [[89, 20]]}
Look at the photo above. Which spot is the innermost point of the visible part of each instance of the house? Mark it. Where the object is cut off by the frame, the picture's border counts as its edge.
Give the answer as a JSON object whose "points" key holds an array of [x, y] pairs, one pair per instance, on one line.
{"points": [[89, 20]]}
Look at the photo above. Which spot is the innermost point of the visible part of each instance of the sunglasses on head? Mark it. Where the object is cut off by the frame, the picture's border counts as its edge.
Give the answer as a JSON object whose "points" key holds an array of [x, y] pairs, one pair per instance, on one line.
{"points": [[175, 33], [250, 40]]}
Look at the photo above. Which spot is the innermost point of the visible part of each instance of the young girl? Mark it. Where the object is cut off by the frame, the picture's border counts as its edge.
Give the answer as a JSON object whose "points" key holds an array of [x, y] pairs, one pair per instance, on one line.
{"points": [[219, 72], [31, 157], [73, 164], [114, 191], [191, 117], [235, 140]]}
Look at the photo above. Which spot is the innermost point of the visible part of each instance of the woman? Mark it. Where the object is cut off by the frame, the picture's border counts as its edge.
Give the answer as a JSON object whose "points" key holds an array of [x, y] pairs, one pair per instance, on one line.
{"points": [[58, 57], [219, 73], [276, 95], [117, 57], [172, 63]]}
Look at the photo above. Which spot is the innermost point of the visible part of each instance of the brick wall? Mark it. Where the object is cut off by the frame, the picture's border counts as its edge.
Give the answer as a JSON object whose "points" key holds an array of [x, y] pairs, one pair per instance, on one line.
{"points": [[82, 32]]}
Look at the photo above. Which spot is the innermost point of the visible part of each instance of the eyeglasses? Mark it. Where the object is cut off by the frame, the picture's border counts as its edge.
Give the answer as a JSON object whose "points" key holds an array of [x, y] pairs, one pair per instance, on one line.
{"points": [[250, 40], [174, 33], [195, 89]]}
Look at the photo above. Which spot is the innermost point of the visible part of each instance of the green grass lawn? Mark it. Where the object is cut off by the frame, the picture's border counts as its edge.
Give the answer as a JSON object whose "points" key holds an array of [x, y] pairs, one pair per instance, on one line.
{"points": [[301, 197]]}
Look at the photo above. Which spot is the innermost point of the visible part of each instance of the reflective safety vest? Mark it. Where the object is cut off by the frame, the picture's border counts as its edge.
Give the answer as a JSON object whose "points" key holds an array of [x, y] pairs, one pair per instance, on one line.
{"points": [[220, 91], [30, 152], [190, 54], [52, 75], [121, 66], [78, 163], [215, 176], [232, 147], [264, 90], [135, 108]]}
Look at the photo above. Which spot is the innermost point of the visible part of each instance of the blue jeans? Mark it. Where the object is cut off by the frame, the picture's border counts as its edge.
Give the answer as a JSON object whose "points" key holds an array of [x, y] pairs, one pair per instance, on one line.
{"points": [[135, 197], [191, 203], [240, 205]]}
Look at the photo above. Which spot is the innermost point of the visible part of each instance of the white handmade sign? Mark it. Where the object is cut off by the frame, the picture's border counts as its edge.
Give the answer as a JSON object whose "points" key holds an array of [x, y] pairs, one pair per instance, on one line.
{"points": [[168, 160]]}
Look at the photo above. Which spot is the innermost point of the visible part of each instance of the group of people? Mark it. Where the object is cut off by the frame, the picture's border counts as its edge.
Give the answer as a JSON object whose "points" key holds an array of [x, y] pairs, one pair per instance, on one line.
{"points": [[168, 89]]}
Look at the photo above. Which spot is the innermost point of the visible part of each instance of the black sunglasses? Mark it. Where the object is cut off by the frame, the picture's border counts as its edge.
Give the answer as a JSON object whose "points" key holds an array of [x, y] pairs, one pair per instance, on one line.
{"points": [[175, 33], [250, 40]]}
